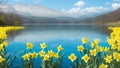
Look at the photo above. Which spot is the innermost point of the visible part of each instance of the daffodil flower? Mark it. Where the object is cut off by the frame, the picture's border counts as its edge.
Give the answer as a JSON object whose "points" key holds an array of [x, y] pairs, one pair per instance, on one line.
{"points": [[103, 66], [1, 59], [43, 45], [86, 58], [80, 48], [72, 57], [84, 40], [29, 45], [60, 48]]}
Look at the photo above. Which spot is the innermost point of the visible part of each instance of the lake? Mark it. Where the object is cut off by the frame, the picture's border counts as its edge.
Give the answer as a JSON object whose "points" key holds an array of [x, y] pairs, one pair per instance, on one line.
{"points": [[69, 36]]}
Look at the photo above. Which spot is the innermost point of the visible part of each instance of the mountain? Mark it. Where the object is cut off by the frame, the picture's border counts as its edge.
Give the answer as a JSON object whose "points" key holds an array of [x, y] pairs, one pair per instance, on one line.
{"points": [[111, 17], [37, 13], [33, 10]]}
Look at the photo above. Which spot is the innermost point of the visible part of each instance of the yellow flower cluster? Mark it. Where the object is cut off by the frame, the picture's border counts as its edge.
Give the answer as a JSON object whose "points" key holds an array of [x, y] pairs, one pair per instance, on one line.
{"points": [[110, 53], [27, 56], [114, 42], [4, 59], [30, 55], [44, 53], [4, 30]]}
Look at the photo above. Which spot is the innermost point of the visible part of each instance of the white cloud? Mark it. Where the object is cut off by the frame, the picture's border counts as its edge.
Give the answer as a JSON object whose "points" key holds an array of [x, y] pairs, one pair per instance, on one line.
{"points": [[77, 11], [79, 4], [115, 5], [74, 10]]}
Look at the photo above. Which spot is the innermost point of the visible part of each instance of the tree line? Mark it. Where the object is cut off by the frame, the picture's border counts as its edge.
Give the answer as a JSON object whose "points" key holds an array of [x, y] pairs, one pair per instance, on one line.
{"points": [[10, 18]]}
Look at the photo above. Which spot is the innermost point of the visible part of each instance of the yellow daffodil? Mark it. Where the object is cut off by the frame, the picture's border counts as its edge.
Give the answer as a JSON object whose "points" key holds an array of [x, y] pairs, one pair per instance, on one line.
{"points": [[92, 44], [34, 55], [4, 30], [100, 49], [56, 55], [51, 53], [96, 41], [72, 57], [1, 47], [106, 49], [86, 58], [46, 57], [43, 45], [41, 53], [5, 43], [59, 48], [29, 45], [80, 48], [1, 59], [114, 46], [116, 56], [118, 48], [93, 52], [3, 36], [108, 58], [110, 41], [29, 54], [26, 57], [84, 40], [103, 66]]}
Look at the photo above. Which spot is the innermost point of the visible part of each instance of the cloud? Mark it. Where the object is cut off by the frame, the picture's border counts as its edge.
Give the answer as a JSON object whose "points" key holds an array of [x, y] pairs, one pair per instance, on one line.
{"points": [[74, 10], [115, 5], [79, 4], [77, 11]]}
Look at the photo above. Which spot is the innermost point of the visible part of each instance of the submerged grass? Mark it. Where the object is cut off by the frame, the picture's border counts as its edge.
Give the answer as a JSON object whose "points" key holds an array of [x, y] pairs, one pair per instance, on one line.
{"points": [[93, 55]]}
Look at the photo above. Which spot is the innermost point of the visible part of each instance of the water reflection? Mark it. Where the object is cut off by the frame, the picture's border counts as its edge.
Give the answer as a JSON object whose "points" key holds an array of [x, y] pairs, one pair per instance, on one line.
{"points": [[56, 32]]}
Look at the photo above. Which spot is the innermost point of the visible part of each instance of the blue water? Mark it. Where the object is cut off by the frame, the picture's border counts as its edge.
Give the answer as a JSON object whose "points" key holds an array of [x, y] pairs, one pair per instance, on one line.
{"points": [[69, 36]]}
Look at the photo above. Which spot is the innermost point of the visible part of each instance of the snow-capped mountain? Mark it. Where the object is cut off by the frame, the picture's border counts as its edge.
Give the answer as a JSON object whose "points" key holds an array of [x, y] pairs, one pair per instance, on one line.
{"points": [[32, 10]]}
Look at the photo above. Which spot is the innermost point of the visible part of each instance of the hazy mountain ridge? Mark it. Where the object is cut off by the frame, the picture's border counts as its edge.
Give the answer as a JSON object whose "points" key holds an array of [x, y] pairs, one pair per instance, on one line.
{"points": [[33, 10], [111, 17]]}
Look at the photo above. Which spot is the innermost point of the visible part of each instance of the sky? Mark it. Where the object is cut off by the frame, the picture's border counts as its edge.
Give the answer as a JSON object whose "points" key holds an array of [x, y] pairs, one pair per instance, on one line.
{"points": [[74, 7]]}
